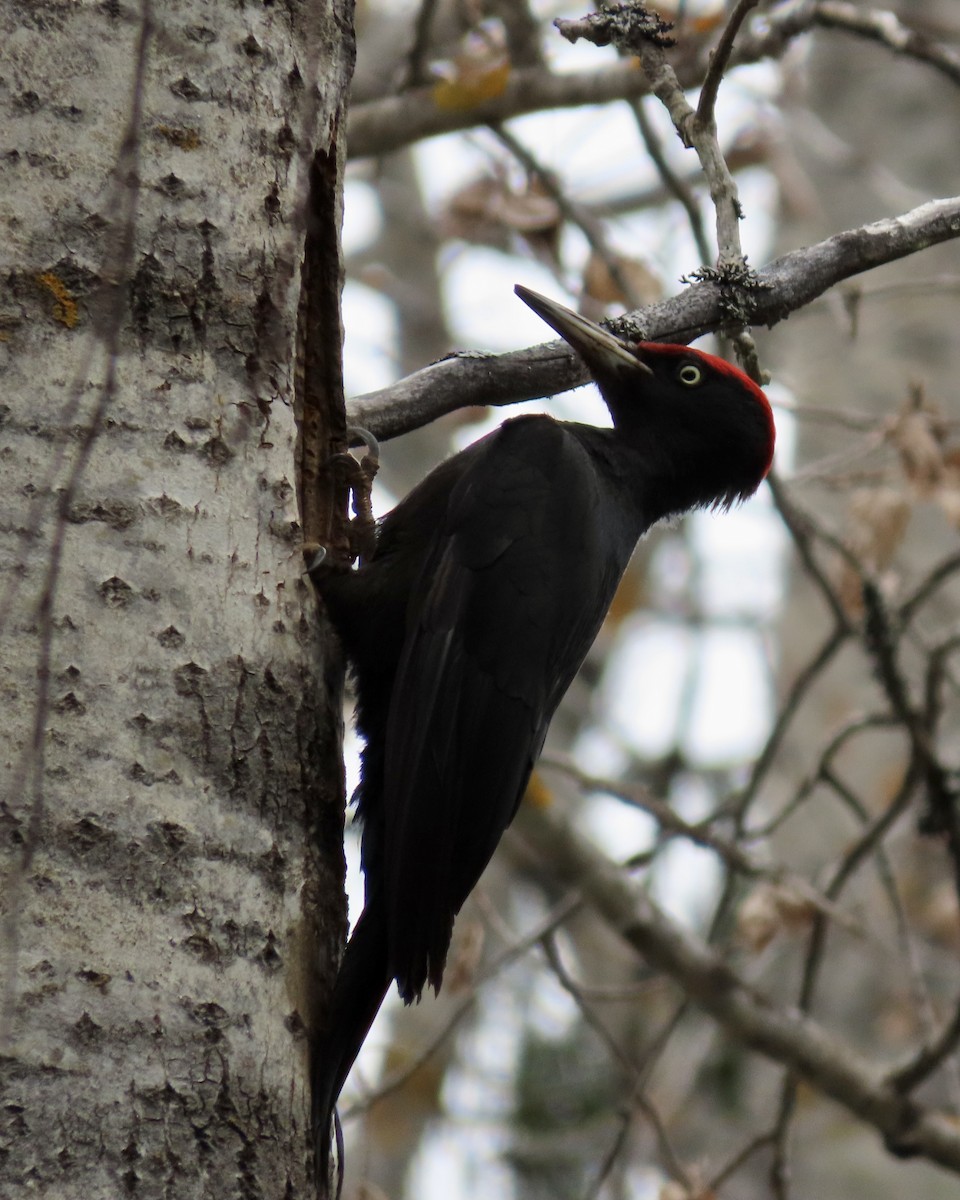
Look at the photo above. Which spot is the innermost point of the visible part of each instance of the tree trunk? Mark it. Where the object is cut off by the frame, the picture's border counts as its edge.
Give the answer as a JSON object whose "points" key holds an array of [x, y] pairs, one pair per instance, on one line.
{"points": [[172, 715]]}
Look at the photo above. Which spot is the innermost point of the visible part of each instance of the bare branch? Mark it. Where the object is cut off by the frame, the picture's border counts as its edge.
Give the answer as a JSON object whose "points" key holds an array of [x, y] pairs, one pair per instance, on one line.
{"points": [[733, 855], [522, 31], [781, 1034], [699, 131], [383, 126], [787, 284], [883, 26], [938, 576]]}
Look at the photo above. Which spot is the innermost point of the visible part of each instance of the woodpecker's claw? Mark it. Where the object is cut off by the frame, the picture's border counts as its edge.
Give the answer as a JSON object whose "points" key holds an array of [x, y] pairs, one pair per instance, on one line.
{"points": [[363, 527], [359, 475], [317, 557], [355, 433], [369, 462]]}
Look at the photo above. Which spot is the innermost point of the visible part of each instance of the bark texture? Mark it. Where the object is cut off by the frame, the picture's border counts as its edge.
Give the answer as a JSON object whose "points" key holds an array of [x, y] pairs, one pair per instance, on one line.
{"points": [[171, 767]]}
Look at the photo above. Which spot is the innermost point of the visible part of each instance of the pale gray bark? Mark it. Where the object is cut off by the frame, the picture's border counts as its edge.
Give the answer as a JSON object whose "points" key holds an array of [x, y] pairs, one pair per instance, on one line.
{"points": [[170, 757]]}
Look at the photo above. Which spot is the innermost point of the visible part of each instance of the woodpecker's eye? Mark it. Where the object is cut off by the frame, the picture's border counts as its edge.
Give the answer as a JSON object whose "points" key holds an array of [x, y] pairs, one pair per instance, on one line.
{"points": [[690, 374]]}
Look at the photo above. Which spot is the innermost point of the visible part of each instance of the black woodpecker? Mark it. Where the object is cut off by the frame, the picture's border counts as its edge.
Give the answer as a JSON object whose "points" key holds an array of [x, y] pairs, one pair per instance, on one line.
{"points": [[484, 592]]}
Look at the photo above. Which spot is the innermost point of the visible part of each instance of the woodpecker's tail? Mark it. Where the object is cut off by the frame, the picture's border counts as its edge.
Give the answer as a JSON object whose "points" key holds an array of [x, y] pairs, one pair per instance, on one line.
{"points": [[357, 996]]}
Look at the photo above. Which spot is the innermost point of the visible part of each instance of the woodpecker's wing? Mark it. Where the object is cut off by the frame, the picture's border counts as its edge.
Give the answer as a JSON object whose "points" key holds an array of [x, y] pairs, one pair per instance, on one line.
{"points": [[516, 582]]}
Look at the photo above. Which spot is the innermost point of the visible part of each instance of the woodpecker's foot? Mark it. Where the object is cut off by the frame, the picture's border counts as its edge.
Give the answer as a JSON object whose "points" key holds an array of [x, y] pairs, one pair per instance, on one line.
{"points": [[363, 527], [359, 476], [361, 533]]}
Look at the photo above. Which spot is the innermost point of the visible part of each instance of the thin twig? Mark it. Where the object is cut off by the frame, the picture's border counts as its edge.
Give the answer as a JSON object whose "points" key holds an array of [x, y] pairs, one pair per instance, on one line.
{"points": [[911, 1074], [922, 593], [733, 855], [788, 710], [668, 1154], [779, 1135], [803, 531], [883, 26], [556, 917], [719, 60], [806, 786], [733, 1165], [610, 1158], [422, 27]]}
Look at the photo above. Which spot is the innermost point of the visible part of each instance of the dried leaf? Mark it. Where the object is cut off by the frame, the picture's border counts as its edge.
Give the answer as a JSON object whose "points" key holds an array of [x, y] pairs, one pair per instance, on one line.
{"points": [[473, 214], [600, 286], [366, 1190], [538, 793], [470, 88], [877, 520], [949, 500], [939, 917], [896, 1020], [772, 908], [918, 433], [489, 212], [530, 211], [920, 453], [480, 71]]}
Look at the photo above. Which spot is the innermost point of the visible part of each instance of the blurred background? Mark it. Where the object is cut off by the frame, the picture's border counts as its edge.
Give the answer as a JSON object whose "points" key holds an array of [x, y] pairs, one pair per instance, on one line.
{"points": [[754, 734]]}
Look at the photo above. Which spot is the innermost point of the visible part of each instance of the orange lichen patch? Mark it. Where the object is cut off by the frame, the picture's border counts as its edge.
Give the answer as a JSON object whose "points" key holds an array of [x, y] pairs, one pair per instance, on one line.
{"points": [[65, 307], [183, 139]]}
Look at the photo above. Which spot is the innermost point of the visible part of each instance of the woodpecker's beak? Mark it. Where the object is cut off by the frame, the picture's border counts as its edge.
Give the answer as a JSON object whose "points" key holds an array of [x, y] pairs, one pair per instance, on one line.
{"points": [[600, 350]]}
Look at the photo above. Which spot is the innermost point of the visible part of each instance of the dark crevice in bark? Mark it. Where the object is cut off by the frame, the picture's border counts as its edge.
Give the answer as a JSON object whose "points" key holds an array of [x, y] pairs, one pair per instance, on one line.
{"points": [[321, 423], [319, 384]]}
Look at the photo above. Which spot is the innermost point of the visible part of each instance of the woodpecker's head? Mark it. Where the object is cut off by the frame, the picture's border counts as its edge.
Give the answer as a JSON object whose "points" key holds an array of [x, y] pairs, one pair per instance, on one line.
{"points": [[704, 428]]}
